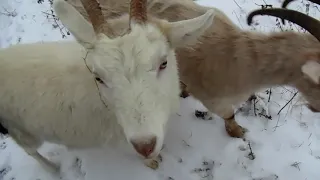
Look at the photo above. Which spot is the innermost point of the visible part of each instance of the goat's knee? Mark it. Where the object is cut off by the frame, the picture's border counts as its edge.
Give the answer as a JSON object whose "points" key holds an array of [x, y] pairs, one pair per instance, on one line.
{"points": [[183, 90], [225, 111], [233, 128]]}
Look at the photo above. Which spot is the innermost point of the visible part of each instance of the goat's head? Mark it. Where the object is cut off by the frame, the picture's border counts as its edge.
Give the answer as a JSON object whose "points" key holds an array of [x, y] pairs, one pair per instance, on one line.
{"points": [[136, 73], [309, 87]]}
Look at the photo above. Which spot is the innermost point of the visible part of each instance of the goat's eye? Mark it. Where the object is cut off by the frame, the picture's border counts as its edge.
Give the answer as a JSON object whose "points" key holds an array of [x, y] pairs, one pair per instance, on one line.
{"points": [[163, 65], [99, 80]]}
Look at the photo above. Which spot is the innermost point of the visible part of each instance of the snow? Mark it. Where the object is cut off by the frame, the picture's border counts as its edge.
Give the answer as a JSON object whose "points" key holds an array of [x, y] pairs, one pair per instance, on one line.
{"points": [[287, 147]]}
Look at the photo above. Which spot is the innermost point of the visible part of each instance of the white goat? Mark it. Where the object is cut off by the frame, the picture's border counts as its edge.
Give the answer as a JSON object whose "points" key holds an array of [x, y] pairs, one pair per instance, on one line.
{"points": [[229, 64], [83, 94]]}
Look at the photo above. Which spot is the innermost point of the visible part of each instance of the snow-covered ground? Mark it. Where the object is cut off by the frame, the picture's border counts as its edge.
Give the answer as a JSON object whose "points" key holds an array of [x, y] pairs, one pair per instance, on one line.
{"points": [[286, 147]]}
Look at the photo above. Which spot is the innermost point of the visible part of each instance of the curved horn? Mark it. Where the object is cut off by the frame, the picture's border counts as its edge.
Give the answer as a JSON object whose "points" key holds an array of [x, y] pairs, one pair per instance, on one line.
{"points": [[309, 23], [138, 11], [284, 5], [96, 17], [287, 2]]}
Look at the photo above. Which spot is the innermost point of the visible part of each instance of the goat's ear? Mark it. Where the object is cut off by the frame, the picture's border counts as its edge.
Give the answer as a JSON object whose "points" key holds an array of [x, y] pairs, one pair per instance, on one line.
{"points": [[186, 32], [312, 70], [79, 27]]}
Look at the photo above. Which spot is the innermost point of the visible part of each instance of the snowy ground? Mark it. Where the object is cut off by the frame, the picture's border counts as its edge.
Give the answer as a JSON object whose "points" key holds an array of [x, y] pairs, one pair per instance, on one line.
{"points": [[287, 147]]}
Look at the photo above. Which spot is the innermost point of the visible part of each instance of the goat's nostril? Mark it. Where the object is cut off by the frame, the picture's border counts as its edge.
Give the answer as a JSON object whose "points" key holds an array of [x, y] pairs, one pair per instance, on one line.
{"points": [[144, 146]]}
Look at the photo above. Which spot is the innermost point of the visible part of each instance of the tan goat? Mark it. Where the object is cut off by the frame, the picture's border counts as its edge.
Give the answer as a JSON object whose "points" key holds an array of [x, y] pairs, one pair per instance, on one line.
{"points": [[229, 64]]}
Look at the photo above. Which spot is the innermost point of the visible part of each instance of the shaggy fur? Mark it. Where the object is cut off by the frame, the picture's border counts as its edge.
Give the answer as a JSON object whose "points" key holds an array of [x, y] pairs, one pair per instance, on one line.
{"points": [[49, 94], [229, 64]]}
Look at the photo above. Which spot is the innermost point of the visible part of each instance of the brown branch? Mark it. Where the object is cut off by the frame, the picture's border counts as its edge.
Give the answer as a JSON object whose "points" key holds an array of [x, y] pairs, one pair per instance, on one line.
{"points": [[287, 103]]}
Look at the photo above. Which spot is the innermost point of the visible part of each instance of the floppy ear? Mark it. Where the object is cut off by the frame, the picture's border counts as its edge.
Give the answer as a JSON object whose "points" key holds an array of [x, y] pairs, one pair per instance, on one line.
{"points": [[186, 32], [79, 27], [312, 70]]}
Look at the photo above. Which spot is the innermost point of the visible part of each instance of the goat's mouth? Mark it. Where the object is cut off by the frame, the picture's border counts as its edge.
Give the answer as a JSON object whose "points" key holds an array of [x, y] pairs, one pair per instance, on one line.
{"points": [[311, 24]]}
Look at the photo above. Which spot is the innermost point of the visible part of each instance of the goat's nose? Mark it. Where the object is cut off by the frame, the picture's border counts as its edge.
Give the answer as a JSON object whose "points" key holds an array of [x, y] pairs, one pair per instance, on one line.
{"points": [[144, 146]]}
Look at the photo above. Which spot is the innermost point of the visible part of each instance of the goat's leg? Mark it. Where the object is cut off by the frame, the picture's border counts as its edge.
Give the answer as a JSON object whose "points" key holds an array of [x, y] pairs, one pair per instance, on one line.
{"points": [[205, 115], [48, 165], [30, 145], [183, 90], [226, 112], [232, 127]]}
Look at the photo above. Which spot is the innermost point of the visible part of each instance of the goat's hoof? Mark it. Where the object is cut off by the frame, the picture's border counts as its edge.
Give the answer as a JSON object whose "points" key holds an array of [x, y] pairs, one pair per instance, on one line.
{"points": [[314, 110], [159, 158], [184, 94], [236, 131], [151, 163], [55, 170], [203, 115]]}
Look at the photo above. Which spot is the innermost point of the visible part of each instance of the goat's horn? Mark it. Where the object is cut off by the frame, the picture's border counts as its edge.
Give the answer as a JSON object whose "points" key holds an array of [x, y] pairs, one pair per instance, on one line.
{"points": [[284, 5], [309, 23], [94, 12], [138, 11], [287, 2]]}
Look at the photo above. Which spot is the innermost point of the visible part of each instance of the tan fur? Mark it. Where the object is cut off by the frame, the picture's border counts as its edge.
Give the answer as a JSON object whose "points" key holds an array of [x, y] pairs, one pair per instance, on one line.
{"points": [[228, 64]]}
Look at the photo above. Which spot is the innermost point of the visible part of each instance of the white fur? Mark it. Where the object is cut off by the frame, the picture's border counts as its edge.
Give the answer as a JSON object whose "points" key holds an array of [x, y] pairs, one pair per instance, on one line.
{"points": [[49, 94], [312, 70]]}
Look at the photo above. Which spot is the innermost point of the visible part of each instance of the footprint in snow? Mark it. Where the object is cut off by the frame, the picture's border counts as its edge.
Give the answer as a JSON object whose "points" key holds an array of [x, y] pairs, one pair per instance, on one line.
{"points": [[3, 145], [270, 177], [4, 170], [76, 168]]}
